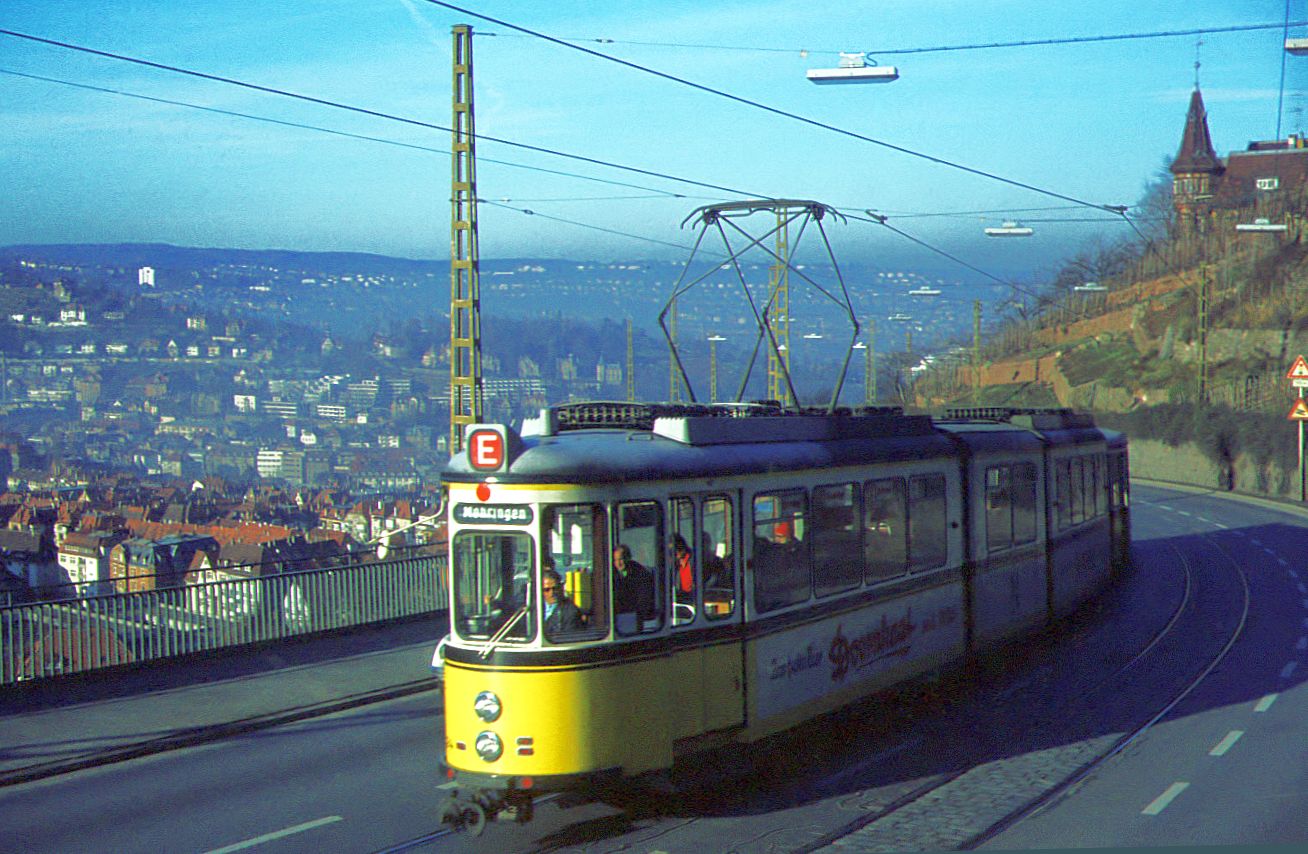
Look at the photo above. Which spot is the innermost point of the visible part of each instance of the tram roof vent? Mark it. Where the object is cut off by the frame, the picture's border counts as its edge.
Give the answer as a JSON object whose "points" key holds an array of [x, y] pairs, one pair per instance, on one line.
{"points": [[816, 426], [627, 415], [599, 414], [884, 411], [1033, 418], [726, 423]]}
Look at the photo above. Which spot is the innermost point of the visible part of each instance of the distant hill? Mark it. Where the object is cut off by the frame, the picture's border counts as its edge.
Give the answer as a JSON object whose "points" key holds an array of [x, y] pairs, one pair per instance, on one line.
{"points": [[293, 285], [164, 255]]}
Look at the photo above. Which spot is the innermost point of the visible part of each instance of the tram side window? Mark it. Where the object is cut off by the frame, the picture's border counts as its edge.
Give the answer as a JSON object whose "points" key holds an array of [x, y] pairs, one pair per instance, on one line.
{"points": [[1117, 480], [885, 528], [928, 546], [780, 561], [492, 575], [837, 551], [1060, 486], [1024, 503], [718, 558], [681, 554], [637, 592], [1095, 472], [1088, 488], [1010, 505], [999, 508], [1111, 495], [576, 542], [1078, 490]]}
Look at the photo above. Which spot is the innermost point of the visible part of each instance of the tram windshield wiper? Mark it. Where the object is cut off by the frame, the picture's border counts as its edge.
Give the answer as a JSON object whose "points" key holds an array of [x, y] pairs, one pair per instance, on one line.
{"points": [[498, 637]]}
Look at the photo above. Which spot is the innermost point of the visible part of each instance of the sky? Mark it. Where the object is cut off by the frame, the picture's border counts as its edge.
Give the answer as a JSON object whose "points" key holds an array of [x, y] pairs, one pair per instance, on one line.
{"points": [[1093, 121]]}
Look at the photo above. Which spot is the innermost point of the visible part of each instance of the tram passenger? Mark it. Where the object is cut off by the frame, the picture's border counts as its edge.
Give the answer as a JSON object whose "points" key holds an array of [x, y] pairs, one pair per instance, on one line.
{"points": [[783, 535], [716, 576], [633, 590], [781, 568], [684, 568], [561, 615]]}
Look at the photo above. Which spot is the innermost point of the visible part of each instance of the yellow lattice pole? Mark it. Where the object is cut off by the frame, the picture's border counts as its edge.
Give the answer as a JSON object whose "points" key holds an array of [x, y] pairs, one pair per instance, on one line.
{"points": [[465, 285], [779, 316]]}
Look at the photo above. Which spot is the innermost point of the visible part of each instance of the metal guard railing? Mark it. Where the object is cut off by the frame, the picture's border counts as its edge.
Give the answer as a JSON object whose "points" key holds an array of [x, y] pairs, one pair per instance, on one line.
{"points": [[51, 638]]}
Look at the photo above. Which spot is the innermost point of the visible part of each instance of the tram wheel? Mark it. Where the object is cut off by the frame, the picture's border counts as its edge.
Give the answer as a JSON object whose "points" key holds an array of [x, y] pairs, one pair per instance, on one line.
{"points": [[475, 819], [466, 816]]}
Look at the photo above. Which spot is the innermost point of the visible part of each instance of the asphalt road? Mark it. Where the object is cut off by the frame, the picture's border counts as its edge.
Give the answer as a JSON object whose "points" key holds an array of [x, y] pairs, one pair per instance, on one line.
{"points": [[1227, 765], [1224, 764]]}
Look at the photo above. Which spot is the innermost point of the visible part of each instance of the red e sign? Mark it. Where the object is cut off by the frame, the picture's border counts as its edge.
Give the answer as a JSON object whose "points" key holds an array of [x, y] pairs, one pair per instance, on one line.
{"points": [[485, 450]]}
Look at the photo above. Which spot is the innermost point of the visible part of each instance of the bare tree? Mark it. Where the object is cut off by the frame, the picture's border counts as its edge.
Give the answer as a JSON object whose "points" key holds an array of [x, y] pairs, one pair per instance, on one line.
{"points": [[1155, 214]]}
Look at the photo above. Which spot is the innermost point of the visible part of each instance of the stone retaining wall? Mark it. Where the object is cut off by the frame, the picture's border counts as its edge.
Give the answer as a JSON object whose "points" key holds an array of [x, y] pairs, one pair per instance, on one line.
{"points": [[1188, 464]]}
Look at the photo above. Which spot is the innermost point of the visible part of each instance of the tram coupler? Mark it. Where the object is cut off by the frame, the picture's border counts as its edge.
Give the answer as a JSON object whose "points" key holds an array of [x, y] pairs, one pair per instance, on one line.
{"points": [[517, 805], [467, 811]]}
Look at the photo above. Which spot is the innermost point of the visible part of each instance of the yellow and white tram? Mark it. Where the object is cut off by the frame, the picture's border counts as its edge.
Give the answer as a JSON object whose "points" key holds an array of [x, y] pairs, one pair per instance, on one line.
{"points": [[737, 570]]}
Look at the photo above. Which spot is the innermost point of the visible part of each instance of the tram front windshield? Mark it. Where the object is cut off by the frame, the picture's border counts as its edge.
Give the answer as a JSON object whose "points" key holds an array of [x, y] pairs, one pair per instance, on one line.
{"points": [[494, 585], [502, 588]]}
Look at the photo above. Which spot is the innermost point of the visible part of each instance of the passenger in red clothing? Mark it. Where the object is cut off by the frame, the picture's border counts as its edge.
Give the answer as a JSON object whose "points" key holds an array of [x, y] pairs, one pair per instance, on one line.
{"points": [[683, 568]]}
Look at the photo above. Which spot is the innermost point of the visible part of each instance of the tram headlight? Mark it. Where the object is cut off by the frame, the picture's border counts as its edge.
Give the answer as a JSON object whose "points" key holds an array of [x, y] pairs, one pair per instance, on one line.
{"points": [[487, 706], [489, 746]]}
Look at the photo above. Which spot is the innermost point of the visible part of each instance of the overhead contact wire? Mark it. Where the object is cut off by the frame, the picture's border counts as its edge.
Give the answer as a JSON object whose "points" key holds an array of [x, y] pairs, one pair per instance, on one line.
{"points": [[945, 48], [1087, 39], [776, 111], [269, 90], [359, 136], [879, 220], [530, 212]]}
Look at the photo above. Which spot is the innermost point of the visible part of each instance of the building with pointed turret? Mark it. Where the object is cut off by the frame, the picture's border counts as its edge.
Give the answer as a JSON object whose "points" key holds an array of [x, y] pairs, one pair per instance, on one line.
{"points": [[1196, 168], [1269, 179]]}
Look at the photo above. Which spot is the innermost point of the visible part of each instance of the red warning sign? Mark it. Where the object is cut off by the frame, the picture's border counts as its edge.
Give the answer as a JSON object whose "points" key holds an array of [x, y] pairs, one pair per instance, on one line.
{"points": [[1299, 370], [1300, 411]]}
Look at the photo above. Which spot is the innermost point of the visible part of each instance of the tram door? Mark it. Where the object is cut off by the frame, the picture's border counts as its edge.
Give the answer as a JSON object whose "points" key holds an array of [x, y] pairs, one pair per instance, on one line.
{"points": [[705, 580]]}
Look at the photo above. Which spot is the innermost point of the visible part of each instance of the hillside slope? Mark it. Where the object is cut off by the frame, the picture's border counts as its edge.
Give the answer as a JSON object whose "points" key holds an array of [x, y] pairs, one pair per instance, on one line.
{"points": [[1194, 357]]}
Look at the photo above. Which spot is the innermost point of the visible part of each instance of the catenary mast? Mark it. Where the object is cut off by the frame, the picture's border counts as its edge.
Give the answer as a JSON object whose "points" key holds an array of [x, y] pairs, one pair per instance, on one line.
{"points": [[465, 275]]}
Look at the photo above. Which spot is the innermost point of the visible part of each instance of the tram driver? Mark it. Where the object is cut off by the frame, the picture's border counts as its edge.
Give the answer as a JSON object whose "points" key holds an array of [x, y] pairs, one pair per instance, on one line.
{"points": [[561, 615]]}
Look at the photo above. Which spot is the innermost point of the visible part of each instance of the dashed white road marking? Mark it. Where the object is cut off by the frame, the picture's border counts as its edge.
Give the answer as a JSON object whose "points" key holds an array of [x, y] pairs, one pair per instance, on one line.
{"points": [[1226, 743], [1184, 512], [277, 834], [1256, 542], [1282, 561], [1288, 669], [1160, 803], [1302, 644], [1220, 525], [1266, 703], [1293, 574]]}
